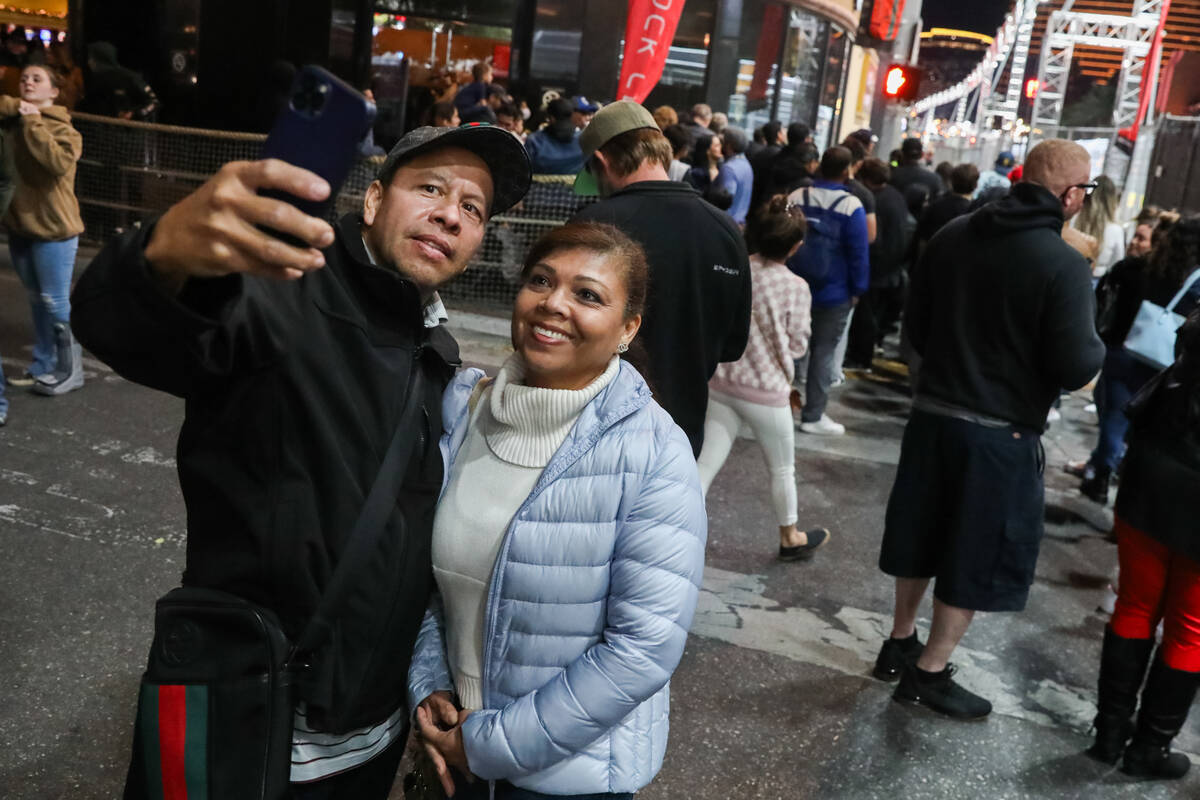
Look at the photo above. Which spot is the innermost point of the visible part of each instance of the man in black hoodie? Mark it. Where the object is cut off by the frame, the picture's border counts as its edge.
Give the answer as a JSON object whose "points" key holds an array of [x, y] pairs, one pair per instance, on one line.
{"points": [[1002, 313], [698, 306]]}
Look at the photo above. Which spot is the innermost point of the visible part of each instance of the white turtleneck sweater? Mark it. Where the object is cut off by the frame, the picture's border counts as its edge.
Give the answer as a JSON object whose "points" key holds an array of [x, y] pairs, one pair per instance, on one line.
{"points": [[513, 432]]}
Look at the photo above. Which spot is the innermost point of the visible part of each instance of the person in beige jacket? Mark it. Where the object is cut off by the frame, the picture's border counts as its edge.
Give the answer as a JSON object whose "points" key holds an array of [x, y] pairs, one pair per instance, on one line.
{"points": [[43, 224]]}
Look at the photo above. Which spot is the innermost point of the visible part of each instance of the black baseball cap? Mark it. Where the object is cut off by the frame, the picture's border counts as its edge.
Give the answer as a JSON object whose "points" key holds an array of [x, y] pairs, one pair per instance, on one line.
{"points": [[503, 153]]}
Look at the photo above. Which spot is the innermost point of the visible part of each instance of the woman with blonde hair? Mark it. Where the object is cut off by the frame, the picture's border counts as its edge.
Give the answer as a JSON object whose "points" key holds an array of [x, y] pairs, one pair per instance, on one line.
{"points": [[1098, 220]]}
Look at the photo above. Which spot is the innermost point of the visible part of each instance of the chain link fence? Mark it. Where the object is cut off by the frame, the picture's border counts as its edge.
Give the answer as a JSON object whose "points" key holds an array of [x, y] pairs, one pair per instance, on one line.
{"points": [[132, 170]]}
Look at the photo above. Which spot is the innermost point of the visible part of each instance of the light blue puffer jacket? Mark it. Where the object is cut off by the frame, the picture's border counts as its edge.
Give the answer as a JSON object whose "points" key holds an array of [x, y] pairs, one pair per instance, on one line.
{"points": [[590, 601]]}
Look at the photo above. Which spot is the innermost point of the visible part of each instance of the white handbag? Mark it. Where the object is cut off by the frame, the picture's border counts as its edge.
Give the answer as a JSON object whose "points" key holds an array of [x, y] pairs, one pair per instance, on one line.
{"points": [[1152, 337]]}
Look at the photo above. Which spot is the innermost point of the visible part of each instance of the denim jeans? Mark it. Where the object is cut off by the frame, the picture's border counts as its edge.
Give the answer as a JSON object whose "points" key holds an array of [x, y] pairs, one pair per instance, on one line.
{"points": [[1120, 379], [45, 269], [828, 324]]}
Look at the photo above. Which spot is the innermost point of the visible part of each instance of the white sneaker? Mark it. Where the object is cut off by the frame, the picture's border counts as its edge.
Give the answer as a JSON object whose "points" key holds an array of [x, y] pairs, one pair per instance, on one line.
{"points": [[1053, 416], [823, 427]]}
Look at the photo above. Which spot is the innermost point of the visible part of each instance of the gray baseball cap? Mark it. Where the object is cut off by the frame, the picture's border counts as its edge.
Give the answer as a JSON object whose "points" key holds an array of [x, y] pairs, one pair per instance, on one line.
{"points": [[503, 153], [612, 120]]}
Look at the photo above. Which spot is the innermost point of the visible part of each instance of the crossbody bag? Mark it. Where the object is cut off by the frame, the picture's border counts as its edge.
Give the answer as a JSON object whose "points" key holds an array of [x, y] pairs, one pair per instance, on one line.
{"points": [[217, 700]]}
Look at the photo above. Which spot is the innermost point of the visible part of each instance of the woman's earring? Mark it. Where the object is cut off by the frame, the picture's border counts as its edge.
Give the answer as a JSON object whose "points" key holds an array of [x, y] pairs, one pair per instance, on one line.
{"points": [[622, 347]]}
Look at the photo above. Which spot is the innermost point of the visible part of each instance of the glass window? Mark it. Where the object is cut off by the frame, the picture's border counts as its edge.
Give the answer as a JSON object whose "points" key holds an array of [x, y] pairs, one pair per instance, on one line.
{"points": [[554, 51], [763, 31], [683, 79]]}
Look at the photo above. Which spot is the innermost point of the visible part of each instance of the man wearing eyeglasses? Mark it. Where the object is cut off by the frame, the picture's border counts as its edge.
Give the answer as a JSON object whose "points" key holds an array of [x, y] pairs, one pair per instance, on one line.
{"points": [[1001, 312]]}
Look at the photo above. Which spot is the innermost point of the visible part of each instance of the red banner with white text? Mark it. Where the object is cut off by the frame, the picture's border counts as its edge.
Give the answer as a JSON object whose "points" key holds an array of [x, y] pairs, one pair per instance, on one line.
{"points": [[648, 35]]}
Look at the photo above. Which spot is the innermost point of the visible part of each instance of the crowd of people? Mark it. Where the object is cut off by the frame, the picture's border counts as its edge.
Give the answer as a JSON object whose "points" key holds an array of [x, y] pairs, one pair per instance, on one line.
{"points": [[532, 588]]}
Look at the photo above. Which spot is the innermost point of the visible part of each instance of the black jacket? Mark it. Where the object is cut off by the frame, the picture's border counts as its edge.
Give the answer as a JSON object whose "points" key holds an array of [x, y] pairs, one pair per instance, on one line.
{"points": [[698, 305], [891, 250], [1002, 311], [1160, 474], [293, 391]]}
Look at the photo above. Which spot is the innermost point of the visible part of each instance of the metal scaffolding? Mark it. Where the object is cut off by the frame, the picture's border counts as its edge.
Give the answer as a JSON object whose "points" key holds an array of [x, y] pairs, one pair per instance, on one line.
{"points": [[1066, 29]]}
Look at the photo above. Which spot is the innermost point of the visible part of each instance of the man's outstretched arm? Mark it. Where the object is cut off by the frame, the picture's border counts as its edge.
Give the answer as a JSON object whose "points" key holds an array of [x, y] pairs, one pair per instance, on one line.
{"points": [[164, 303]]}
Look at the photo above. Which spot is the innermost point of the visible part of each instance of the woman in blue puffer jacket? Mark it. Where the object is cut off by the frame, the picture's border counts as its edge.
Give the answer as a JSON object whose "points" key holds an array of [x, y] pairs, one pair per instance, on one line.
{"points": [[568, 546]]}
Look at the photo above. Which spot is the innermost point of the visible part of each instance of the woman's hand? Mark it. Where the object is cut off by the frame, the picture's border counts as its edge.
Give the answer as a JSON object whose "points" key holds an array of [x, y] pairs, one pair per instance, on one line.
{"points": [[28, 109], [444, 747]]}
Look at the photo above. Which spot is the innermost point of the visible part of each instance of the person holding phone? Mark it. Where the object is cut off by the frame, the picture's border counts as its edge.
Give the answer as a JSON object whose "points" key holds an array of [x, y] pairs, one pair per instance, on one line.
{"points": [[294, 363]]}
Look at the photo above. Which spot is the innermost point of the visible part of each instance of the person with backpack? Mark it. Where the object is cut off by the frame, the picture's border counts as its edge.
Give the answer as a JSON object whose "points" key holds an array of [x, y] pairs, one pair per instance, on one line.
{"points": [[834, 260]]}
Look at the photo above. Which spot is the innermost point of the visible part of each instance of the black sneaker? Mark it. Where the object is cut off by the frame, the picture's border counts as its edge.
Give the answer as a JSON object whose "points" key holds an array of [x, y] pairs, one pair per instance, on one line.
{"points": [[894, 655], [938, 692], [803, 552]]}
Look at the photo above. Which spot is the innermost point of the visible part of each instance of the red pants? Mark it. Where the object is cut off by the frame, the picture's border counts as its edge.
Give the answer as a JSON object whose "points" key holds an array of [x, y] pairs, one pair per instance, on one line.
{"points": [[1157, 584]]}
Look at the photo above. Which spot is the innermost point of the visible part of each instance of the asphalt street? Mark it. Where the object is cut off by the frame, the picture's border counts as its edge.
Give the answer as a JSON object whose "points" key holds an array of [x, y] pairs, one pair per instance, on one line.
{"points": [[773, 698]]}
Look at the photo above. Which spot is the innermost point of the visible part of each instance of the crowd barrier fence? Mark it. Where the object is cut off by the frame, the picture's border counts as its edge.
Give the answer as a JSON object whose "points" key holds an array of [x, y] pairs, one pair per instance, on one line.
{"points": [[130, 171]]}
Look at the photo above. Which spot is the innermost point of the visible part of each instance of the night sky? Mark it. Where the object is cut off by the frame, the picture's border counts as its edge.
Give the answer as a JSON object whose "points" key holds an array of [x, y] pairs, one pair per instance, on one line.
{"points": [[983, 16]]}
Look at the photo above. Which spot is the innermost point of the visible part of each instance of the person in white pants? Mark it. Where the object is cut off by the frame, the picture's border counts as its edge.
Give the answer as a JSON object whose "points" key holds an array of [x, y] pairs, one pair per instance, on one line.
{"points": [[755, 389]]}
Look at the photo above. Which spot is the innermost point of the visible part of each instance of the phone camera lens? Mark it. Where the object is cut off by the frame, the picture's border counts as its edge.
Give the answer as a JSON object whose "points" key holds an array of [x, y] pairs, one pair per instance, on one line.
{"points": [[310, 97]]}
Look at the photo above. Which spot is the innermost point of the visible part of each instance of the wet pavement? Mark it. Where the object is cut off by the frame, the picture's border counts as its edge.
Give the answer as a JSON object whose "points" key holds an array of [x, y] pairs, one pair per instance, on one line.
{"points": [[773, 698]]}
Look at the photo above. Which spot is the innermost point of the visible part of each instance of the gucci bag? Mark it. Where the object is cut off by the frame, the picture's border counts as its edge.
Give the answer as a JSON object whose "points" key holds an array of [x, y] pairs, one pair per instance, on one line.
{"points": [[215, 714]]}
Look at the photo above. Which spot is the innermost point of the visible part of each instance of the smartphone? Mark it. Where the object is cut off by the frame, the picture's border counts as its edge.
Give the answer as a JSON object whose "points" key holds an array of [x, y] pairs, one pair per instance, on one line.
{"points": [[319, 129]]}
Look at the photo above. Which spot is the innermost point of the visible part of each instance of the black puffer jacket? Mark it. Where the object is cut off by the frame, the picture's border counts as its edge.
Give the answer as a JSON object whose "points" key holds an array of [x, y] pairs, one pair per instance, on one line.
{"points": [[1160, 475], [293, 392]]}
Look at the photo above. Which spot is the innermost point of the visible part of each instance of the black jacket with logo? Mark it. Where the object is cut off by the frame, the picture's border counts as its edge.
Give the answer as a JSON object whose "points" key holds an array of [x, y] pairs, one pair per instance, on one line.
{"points": [[698, 305], [1001, 309], [293, 391]]}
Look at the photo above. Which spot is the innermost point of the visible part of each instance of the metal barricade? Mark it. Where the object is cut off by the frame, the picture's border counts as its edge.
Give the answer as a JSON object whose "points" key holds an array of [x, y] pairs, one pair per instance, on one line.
{"points": [[132, 170]]}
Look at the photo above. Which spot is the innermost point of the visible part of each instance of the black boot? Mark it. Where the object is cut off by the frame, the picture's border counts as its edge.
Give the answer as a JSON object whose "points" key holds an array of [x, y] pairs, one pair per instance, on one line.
{"points": [[68, 372], [1165, 702], [1095, 486], [1122, 667]]}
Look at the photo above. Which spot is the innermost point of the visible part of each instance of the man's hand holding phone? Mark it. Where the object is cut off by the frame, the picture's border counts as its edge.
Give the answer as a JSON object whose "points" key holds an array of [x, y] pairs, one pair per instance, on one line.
{"points": [[215, 230]]}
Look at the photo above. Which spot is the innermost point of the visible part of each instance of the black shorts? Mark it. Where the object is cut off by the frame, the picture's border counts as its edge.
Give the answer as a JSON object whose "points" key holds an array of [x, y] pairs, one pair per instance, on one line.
{"points": [[967, 509]]}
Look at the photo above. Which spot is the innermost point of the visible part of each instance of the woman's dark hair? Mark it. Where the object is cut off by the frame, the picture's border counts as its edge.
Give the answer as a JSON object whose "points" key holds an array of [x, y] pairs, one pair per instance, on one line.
{"points": [[774, 230], [441, 111], [1179, 253], [700, 147], [604, 240], [874, 172], [964, 178], [943, 171], [608, 241], [679, 137], [719, 196]]}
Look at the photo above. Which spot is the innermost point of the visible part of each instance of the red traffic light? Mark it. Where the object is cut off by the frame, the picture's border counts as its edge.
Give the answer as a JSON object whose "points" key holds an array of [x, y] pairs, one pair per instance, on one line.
{"points": [[901, 82], [1031, 88]]}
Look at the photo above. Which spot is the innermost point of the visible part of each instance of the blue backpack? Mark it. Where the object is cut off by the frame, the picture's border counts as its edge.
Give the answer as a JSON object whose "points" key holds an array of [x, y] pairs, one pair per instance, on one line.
{"points": [[822, 242]]}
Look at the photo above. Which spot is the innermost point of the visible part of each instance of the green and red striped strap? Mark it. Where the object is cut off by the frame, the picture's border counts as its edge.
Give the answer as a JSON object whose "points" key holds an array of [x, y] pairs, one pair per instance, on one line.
{"points": [[174, 722]]}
